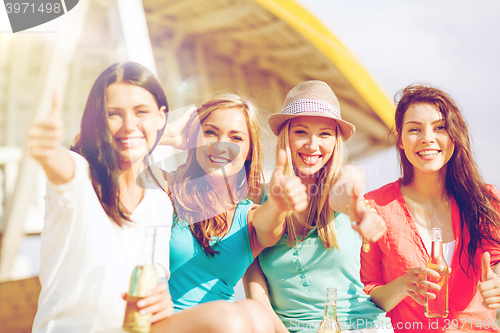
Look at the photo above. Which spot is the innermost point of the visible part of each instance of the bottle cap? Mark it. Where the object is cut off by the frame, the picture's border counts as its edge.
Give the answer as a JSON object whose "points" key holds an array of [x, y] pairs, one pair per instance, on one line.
{"points": [[437, 234]]}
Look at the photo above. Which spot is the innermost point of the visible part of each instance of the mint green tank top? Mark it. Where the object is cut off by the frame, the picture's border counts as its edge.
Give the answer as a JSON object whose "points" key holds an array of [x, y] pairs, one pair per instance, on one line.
{"points": [[298, 277]]}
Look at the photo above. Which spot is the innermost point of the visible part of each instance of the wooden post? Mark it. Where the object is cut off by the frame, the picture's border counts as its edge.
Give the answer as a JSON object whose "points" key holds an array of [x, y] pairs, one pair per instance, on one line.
{"points": [[135, 33]]}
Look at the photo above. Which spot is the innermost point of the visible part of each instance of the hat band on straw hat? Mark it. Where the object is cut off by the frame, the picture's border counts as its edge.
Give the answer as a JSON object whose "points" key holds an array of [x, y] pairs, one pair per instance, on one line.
{"points": [[314, 105]]}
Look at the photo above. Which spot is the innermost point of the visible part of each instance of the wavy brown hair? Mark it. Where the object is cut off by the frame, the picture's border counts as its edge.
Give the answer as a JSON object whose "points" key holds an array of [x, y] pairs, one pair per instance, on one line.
{"points": [[463, 179], [319, 213], [194, 199], [95, 142]]}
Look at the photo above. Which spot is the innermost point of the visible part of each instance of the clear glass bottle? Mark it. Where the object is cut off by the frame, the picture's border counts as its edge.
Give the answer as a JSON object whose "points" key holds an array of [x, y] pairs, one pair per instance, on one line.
{"points": [[438, 307], [329, 323], [143, 279]]}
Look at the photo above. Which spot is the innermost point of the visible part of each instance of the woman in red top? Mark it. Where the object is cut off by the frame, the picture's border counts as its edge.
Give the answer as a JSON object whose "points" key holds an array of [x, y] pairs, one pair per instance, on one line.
{"points": [[441, 187]]}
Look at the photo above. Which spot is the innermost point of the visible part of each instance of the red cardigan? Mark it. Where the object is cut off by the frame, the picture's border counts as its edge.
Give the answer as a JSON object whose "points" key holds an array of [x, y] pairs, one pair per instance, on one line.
{"points": [[402, 248]]}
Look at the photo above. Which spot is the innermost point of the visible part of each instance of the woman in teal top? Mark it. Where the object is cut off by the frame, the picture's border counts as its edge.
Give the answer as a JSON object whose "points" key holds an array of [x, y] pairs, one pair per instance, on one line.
{"points": [[197, 278], [321, 247], [216, 231]]}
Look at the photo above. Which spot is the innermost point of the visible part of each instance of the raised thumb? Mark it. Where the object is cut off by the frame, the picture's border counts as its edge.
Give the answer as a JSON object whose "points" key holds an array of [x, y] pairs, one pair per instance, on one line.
{"points": [[280, 163], [485, 266], [55, 110]]}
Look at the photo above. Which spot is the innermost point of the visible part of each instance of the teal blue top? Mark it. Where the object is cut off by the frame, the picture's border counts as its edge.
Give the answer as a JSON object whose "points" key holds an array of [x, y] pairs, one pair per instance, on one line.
{"points": [[298, 277], [196, 278]]}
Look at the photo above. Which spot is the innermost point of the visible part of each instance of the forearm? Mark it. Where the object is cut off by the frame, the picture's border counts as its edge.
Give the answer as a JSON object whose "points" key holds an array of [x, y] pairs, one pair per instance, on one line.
{"points": [[389, 295], [59, 166], [168, 140], [255, 285], [268, 221], [258, 294]]}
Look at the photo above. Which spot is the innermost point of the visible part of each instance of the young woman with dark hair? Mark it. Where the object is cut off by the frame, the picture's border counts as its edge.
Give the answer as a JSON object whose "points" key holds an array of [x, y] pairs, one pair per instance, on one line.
{"points": [[440, 187], [97, 209], [96, 142]]}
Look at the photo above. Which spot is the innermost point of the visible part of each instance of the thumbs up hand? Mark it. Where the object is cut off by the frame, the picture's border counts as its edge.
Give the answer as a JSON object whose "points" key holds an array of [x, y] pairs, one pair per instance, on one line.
{"points": [[368, 223], [46, 135], [286, 193], [489, 287], [44, 143]]}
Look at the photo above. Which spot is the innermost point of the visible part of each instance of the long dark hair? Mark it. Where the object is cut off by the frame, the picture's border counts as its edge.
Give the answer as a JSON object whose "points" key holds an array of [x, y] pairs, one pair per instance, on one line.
{"points": [[463, 179], [95, 142]]}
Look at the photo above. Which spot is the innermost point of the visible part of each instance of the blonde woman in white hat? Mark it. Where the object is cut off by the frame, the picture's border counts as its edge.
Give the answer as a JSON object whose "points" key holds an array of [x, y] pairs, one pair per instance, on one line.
{"points": [[321, 246]]}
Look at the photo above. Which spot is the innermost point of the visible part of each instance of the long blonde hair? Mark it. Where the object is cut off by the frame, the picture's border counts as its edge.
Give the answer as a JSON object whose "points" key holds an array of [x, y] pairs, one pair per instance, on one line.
{"points": [[195, 202], [319, 213]]}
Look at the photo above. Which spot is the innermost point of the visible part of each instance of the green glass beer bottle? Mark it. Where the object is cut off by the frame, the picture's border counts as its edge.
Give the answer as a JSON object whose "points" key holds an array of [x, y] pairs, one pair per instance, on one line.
{"points": [[329, 323]]}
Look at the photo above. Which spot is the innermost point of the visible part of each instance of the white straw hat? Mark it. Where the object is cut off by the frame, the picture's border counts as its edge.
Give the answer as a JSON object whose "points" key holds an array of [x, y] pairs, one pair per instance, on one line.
{"points": [[311, 98]]}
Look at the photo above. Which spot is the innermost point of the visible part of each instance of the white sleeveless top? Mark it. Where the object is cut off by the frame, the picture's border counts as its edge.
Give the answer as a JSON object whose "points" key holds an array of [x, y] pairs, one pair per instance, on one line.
{"points": [[448, 249]]}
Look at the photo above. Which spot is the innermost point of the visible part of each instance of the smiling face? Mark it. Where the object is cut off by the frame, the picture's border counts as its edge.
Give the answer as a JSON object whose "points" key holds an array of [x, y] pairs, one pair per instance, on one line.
{"points": [[223, 142], [424, 139], [312, 143], [133, 120]]}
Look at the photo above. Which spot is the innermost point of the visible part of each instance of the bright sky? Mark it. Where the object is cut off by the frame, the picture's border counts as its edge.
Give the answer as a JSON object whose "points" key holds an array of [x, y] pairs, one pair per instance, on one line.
{"points": [[454, 45]]}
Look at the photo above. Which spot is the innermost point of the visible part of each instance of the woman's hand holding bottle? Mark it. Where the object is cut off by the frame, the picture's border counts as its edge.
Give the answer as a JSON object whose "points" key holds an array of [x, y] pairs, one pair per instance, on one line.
{"points": [[158, 303], [414, 284]]}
